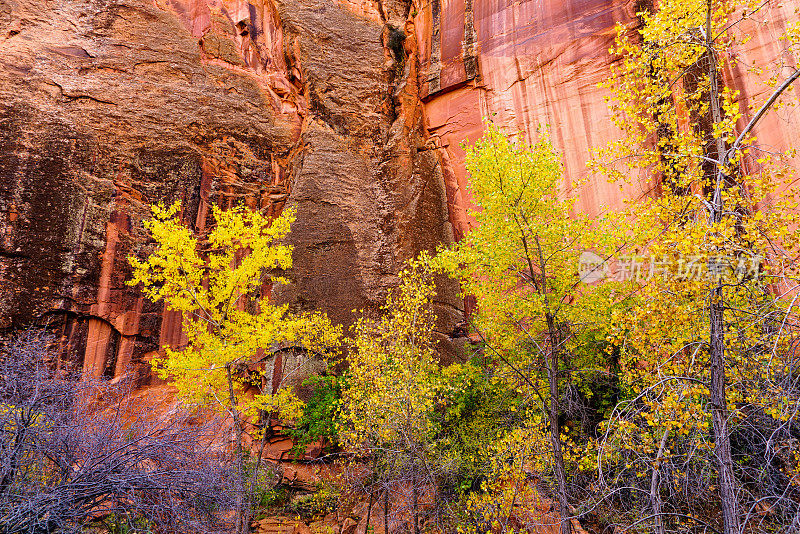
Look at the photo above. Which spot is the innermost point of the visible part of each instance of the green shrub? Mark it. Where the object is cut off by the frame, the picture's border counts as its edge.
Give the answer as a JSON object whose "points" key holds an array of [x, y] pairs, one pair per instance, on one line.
{"points": [[267, 494], [474, 413], [320, 417], [319, 503]]}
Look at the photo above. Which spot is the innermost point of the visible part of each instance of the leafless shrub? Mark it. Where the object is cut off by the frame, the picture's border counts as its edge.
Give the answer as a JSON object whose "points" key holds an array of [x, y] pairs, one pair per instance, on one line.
{"points": [[73, 453]]}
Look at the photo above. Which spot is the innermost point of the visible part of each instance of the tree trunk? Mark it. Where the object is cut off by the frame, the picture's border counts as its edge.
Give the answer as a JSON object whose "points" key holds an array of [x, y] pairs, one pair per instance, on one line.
{"points": [[369, 512], [555, 437], [655, 487], [551, 362], [719, 406], [719, 418], [241, 528]]}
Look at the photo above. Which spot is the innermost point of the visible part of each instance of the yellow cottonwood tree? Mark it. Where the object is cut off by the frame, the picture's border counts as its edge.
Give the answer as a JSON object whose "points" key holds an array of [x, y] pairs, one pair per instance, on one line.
{"points": [[507, 501], [216, 284], [521, 262], [393, 383], [217, 288], [708, 341]]}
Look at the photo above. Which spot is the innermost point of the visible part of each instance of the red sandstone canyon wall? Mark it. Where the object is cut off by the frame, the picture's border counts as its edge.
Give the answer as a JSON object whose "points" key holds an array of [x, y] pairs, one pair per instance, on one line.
{"points": [[353, 111], [107, 106], [531, 65]]}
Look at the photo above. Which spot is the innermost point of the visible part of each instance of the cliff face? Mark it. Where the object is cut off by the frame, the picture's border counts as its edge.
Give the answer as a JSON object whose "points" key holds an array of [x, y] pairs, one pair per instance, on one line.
{"points": [[352, 110], [528, 66], [108, 106], [534, 65]]}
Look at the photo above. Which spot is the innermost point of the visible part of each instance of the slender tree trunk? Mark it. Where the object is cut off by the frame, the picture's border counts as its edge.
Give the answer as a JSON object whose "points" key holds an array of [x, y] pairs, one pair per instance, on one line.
{"points": [[555, 437], [552, 360], [386, 511], [241, 528], [369, 512], [719, 406], [655, 487], [719, 418]]}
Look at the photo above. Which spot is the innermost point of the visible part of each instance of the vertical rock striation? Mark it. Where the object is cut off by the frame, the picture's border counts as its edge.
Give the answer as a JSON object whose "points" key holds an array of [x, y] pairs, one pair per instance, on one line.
{"points": [[535, 65]]}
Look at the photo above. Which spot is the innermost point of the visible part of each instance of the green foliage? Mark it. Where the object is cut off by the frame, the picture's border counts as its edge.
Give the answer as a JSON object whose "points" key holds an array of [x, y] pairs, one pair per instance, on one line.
{"points": [[313, 505], [474, 413], [267, 499], [267, 493], [478, 431], [321, 414], [394, 41], [599, 386]]}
